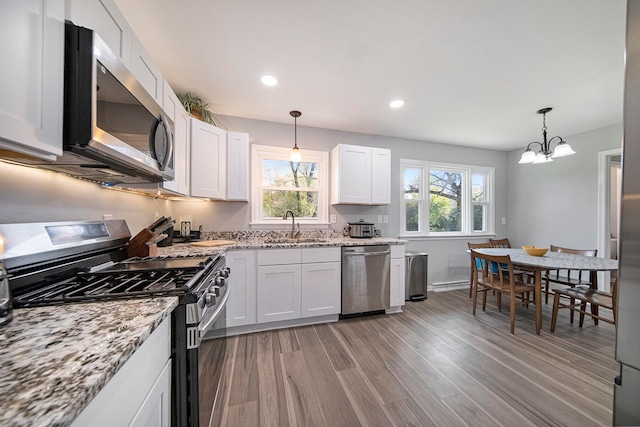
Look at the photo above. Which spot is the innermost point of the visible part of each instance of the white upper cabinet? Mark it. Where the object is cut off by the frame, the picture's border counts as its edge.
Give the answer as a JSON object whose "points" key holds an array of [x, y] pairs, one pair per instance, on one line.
{"points": [[219, 163], [145, 70], [237, 166], [181, 141], [380, 176], [32, 48], [208, 160], [104, 17], [360, 175]]}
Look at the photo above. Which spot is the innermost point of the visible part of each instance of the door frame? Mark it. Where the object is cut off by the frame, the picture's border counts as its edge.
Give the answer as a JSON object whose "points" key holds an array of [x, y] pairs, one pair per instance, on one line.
{"points": [[604, 194]]}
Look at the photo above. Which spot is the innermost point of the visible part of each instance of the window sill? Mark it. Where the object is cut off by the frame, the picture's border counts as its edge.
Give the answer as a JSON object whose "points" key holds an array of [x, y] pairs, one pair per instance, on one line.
{"points": [[413, 237]]}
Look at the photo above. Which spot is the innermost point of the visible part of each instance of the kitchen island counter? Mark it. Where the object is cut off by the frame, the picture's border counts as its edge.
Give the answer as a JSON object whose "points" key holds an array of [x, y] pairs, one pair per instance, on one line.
{"points": [[55, 360]]}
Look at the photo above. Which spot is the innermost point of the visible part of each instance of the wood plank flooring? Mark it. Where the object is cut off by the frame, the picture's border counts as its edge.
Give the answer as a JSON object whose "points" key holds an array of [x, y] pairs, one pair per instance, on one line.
{"points": [[435, 364]]}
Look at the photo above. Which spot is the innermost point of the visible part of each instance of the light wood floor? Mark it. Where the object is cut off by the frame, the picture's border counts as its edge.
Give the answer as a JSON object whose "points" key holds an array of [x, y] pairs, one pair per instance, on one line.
{"points": [[435, 364]]}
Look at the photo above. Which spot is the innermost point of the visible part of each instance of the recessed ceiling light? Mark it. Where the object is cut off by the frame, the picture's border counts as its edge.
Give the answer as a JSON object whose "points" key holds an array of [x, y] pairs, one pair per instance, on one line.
{"points": [[397, 103], [269, 80]]}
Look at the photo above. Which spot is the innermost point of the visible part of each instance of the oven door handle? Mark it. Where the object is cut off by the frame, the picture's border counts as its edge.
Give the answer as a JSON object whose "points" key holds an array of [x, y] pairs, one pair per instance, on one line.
{"points": [[204, 328]]}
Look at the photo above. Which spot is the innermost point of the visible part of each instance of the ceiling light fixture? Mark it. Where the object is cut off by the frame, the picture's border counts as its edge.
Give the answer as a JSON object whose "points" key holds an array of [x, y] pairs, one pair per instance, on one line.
{"points": [[396, 104], [295, 152], [269, 80], [545, 155]]}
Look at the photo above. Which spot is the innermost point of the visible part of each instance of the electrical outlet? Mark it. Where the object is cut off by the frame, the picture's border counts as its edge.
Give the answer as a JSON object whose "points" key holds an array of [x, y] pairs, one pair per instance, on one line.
{"points": [[156, 216], [333, 219], [386, 219], [504, 220], [107, 216], [379, 219]]}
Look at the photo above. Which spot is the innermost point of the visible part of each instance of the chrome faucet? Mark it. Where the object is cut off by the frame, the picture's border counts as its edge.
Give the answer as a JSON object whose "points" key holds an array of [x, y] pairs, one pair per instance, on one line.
{"points": [[294, 234]]}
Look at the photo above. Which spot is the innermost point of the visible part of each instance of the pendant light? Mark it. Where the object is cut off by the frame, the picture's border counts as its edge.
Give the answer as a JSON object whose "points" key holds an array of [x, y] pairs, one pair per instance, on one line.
{"points": [[295, 152], [545, 155]]}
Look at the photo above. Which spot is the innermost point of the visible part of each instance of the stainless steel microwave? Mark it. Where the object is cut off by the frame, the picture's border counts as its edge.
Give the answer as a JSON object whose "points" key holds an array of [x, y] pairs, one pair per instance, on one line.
{"points": [[114, 131]]}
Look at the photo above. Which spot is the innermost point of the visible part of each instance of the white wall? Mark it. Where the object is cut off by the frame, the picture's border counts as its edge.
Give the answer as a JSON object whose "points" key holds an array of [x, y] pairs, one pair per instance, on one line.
{"points": [[33, 195], [557, 203]]}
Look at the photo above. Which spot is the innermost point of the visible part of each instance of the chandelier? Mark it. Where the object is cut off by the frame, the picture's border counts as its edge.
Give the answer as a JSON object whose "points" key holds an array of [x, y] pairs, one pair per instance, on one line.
{"points": [[545, 154]]}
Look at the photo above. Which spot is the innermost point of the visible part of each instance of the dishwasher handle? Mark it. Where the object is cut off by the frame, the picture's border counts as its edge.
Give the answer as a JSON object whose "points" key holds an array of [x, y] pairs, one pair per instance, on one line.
{"points": [[346, 253]]}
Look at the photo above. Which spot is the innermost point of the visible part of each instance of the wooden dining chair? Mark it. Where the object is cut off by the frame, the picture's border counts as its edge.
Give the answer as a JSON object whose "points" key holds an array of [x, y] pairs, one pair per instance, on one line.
{"points": [[500, 243], [502, 282], [570, 278], [475, 246], [584, 295], [522, 275]]}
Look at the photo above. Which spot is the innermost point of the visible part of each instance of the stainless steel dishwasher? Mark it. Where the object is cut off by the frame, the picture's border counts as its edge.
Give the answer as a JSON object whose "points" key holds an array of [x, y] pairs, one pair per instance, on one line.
{"points": [[365, 279]]}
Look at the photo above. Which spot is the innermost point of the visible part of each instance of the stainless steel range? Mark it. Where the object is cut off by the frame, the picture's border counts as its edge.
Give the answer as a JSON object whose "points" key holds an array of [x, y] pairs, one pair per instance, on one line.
{"points": [[76, 262]]}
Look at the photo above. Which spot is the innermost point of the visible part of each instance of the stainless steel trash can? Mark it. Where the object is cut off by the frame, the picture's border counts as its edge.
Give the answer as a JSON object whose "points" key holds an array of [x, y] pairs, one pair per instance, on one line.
{"points": [[415, 278]]}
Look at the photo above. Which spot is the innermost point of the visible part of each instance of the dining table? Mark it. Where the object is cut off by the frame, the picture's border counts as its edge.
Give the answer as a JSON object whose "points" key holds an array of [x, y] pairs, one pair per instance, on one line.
{"points": [[552, 261]]}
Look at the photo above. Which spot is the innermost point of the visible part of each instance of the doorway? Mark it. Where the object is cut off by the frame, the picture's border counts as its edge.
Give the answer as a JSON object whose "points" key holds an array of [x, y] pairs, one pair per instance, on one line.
{"points": [[609, 193]]}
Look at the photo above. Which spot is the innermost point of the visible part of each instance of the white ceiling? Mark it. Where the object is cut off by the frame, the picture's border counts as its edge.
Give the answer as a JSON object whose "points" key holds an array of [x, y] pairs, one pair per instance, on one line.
{"points": [[471, 72]]}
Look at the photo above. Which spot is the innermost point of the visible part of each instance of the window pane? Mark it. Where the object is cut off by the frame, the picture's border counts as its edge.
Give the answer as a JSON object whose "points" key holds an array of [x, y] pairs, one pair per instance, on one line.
{"points": [[275, 203], [477, 188], [479, 218], [411, 184], [445, 201], [286, 174], [413, 216]]}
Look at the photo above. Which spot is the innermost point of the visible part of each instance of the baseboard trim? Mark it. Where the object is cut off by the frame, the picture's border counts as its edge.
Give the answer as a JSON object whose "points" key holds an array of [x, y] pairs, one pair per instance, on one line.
{"points": [[450, 286]]}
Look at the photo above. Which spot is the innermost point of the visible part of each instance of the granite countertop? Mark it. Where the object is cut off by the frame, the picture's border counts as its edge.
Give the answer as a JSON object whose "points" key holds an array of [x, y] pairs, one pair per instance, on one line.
{"points": [[251, 240], [54, 360]]}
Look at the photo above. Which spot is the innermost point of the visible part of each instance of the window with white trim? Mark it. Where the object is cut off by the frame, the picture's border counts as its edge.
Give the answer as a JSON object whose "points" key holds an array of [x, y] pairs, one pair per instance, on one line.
{"points": [[279, 185], [443, 199]]}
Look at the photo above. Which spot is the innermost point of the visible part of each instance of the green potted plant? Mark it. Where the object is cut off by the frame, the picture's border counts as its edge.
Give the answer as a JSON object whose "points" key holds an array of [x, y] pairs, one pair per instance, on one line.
{"points": [[197, 108]]}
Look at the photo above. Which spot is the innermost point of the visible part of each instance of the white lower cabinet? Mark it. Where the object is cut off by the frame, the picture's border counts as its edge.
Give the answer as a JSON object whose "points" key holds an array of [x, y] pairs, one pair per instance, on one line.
{"points": [[279, 292], [397, 276], [298, 283], [139, 394], [321, 281], [241, 306]]}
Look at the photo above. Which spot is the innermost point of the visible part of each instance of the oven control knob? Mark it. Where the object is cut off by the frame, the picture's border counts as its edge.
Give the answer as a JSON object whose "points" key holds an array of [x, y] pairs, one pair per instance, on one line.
{"points": [[215, 290], [220, 281], [225, 272], [210, 299]]}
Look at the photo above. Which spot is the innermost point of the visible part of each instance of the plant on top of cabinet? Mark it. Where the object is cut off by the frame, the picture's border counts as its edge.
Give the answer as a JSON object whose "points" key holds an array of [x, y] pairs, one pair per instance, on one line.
{"points": [[198, 109]]}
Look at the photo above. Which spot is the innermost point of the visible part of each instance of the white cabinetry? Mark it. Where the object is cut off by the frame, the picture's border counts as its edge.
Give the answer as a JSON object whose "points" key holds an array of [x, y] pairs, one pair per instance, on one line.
{"points": [[241, 306], [181, 140], [279, 285], [139, 394], [321, 281], [298, 283], [104, 17], [219, 163], [360, 175], [237, 166], [145, 71], [397, 276], [32, 33], [208, 160]]}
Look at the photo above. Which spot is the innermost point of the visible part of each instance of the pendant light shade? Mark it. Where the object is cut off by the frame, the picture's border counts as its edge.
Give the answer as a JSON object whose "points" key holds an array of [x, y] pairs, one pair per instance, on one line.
{"points": [[295, 151]]}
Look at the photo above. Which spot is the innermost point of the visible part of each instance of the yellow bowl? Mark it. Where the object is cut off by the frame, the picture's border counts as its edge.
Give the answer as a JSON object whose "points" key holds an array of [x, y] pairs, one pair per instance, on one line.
{"points": [[533, 251]]}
